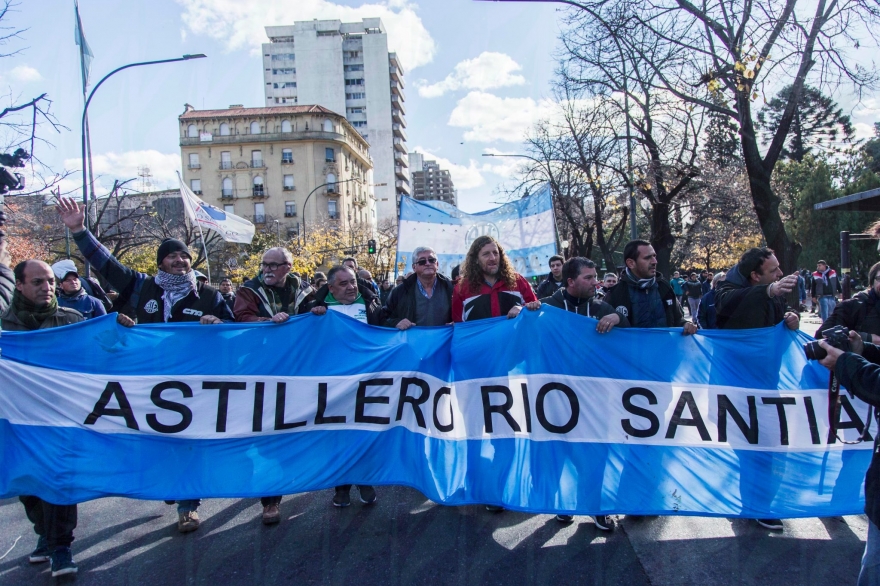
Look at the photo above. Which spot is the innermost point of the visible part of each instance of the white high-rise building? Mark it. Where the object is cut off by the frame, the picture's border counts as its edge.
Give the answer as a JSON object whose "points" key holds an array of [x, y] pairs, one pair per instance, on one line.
{"points": [[346, 67]]}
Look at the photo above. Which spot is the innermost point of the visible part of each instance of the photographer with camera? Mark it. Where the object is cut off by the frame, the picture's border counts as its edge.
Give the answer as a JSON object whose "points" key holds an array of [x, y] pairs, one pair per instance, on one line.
{"points": [[858, 370], [861, 313]]}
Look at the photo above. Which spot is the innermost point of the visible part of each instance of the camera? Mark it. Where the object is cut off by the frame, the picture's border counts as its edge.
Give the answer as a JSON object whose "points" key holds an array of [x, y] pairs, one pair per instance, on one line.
{"points": [[838, 336]]}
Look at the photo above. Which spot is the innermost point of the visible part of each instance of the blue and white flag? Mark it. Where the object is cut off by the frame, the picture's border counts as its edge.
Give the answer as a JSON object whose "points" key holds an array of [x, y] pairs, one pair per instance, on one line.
{"points": [[85, 52], [538, 413], [525, 228], [231, 228]]}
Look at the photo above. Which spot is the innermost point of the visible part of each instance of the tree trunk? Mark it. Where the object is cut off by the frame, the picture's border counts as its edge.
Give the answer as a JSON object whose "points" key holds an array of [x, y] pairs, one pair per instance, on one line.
{"points": [[661, 236]]}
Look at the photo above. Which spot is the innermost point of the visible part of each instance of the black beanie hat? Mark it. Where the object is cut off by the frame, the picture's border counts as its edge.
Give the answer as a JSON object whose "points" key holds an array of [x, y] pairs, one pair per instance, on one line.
{"points": [[168, 246]]}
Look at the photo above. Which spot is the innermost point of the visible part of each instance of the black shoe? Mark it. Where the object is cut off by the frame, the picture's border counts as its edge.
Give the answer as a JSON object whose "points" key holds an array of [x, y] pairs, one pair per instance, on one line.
{"points": [[494, 508], [342, 498], [565, 518], [367, 494], [170, 502], [41, 554], [62, 562], [604, 522], [772, 524]]}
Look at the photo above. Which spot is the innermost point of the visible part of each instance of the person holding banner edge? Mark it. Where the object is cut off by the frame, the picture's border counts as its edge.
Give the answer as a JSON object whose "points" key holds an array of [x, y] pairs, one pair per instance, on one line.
{"points": [[424, 298], [172, 296]]}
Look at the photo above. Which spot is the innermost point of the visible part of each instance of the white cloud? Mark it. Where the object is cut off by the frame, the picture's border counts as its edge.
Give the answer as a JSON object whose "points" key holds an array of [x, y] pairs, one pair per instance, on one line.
{"points": [[127, 165], [24, 74], [241, 23], [487, 71], [863, 130], [489, 118], [464, 177]]}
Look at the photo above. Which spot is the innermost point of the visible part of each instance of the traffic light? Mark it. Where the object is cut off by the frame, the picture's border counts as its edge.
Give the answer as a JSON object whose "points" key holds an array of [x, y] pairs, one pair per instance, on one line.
{"points": [[371, 246]]}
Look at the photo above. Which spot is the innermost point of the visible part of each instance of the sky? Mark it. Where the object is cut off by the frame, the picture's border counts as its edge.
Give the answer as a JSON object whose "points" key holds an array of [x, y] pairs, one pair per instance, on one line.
{"points": [[477, 74]]}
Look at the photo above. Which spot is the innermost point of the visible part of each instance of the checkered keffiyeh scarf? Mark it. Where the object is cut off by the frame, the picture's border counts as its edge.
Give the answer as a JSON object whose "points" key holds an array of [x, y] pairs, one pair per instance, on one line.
{"points": [[175, 288]]}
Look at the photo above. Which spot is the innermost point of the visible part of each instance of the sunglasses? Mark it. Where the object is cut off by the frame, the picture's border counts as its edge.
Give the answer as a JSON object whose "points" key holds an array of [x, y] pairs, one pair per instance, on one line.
{"points": [[426, 261]]}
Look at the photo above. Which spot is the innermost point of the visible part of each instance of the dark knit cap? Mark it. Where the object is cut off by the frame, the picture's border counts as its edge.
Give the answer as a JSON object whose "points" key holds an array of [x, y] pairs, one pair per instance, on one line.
{"points": [[168, 246]]}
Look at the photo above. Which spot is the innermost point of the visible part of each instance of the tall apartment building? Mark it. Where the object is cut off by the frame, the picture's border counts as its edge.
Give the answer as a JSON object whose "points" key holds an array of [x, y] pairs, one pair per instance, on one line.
{"points": [[265, 164], [346, 67], [429, 181]]}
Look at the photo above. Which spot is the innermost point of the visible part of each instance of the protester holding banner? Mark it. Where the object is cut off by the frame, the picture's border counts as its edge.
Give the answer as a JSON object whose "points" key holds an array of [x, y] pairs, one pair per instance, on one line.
{"points": [[34, 307], [489, 286], [579, 295], [274, 294], [554, 281], [643, 296], [424, 298], [348, 295]]}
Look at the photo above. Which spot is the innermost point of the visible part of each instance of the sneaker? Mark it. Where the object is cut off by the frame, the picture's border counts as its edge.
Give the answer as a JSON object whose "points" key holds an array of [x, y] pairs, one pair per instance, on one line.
{"points": [[565, 518], [772, 524], [342, 497], [367, 494], [494, 508], [62, 562], [603, 522], [271, 514], [188, 521], [41, 554]]}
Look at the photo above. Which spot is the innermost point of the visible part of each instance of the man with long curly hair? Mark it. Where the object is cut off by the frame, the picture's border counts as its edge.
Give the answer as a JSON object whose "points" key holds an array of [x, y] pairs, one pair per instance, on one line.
{"points": [[489, 286]]}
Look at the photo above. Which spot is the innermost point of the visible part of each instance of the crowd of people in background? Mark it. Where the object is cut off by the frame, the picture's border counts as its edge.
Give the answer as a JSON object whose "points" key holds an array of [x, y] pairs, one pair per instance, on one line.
{"points": [[751, 294]]}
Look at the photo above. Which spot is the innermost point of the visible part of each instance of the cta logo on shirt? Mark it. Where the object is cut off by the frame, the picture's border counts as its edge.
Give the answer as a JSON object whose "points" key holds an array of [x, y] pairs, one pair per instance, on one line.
{"points": [[151, 306]]}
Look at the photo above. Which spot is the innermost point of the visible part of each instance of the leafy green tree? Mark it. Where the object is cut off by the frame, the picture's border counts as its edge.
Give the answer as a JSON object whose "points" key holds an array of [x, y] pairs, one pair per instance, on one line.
{"points": [[815, 127]]}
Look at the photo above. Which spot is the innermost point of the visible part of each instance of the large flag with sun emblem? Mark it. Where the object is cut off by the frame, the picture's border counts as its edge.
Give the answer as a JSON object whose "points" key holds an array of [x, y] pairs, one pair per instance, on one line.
{"points": [[526, 229], [231, 227]]}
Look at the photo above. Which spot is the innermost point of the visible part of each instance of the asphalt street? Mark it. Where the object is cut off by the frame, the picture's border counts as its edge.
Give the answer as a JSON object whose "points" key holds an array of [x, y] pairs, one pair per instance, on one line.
{"points": [[406, 539]]}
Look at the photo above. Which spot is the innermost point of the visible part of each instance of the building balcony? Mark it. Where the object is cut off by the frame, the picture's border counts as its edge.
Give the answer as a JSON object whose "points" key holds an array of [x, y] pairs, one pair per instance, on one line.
{"points": [[399, 145], [267, 137], [226, 164], [397, 102], [401, 160], [227, 193], [257, 164], [287, 160], [398, 131], [402, 186], [192, 166], [397, 117], [289, 188], [197, 191], [396, 75], [401, 172], [258, 193], [397, 89]]}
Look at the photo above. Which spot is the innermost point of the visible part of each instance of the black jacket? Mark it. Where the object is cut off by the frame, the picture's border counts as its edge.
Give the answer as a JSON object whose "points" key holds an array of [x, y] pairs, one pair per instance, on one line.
{"points": [[740, 305], [592, 307], [401, 302], [371, 300], [548, 287], [618, 298], [694, 289], [7, 287], [861, 313], [861, 376]]}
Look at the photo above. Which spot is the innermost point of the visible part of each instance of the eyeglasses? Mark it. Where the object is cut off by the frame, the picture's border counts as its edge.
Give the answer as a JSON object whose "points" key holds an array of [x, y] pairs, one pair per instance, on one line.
{"points": [[273, 266], [425, 261]]}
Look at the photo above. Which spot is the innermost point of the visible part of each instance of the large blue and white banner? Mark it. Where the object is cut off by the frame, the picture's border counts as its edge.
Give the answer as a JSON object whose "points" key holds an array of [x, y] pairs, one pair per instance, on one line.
{"points": [[526, 229], [538, 413]]}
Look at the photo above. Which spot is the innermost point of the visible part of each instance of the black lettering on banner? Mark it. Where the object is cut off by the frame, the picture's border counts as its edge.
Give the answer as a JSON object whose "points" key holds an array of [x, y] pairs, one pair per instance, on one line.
{"points": [[653, 422], [780, 403], [186, 415], [113, 389], [696, 420], [811, 420], [320, 418], [259, 391], [725, 407], [223, 399], [405, 383], [280, 400], [443, 391], [503, 410], [526, 407], [572, 401], [362, 400], [855, 422]]}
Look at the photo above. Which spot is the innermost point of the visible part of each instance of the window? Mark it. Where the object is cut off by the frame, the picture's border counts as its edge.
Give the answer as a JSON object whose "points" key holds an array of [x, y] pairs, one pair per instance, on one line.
{"points": [[327, 33], [358, 110], [355, 96], [329, 155], [283, 57], [352, 54], [359, 123], [255, 128], [331, 183], [328, 126], [284, 71], [286, 155], [288, 182], [196, 186], [192, 131], [258, 186], [227, 187], [289, 209], [229, 208], [226, 160], [331, 209], [259, 213], [284, 84], [224, 129], [256, 159], [353, 68], [286, 126], [194, 161], [354, 81]]}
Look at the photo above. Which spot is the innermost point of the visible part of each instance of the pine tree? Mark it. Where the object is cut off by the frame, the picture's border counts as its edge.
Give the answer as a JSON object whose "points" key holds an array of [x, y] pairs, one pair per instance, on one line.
{"points": [[722, 141]]}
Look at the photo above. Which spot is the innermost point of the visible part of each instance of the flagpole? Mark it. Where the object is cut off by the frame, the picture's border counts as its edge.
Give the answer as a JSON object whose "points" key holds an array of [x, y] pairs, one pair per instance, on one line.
{"points": [[192, 213]]}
